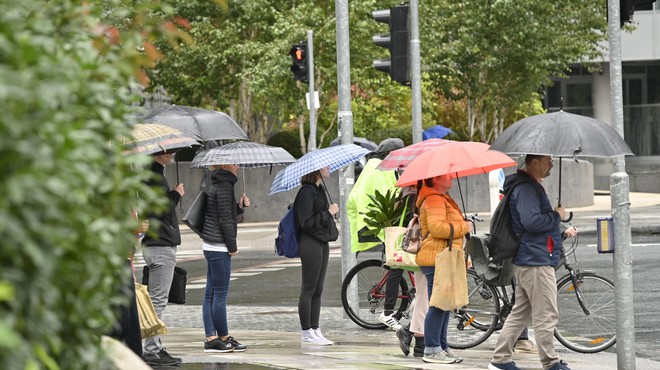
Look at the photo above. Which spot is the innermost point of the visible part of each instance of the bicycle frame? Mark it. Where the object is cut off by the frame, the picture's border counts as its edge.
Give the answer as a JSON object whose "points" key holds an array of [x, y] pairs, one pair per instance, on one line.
{"points": [[378, 291]]}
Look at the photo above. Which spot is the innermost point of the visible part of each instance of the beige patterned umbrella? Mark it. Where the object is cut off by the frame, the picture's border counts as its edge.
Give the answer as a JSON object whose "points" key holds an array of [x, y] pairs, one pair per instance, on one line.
{"points": [[155, 138]]}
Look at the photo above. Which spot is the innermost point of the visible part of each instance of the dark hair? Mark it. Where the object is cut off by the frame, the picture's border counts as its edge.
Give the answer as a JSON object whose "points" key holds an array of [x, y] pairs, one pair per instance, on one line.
{"points": [[429, 182], [530, 157], [310, 178]]}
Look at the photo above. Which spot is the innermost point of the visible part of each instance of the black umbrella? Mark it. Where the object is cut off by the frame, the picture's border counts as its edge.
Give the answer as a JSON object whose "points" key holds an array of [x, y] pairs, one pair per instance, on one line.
{"points": [[561, 134], [200, 124]]}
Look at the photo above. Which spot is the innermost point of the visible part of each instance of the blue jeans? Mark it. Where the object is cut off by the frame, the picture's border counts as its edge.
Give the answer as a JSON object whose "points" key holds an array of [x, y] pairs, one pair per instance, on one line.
{"points": [[436, 321], [214, 306]]}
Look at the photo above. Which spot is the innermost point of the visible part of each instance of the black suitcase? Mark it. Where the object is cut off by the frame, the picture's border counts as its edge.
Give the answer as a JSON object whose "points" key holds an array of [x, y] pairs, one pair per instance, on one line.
{"points": [[178, 288]]}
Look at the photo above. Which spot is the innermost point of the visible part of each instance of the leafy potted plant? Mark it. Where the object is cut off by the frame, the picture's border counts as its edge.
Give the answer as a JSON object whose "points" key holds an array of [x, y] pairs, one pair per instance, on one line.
{"points": [[384, 214], [384, 210]]}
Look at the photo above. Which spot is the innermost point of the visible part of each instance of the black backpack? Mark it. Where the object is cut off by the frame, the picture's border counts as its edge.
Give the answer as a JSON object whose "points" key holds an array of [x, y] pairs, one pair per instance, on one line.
{"points": [[502, 242]]}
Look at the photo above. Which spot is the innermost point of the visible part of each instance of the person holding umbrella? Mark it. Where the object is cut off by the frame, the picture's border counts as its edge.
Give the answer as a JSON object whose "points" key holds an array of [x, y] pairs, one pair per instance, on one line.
{"points": [[219, 245], [538, 225], [160, 255], [315, 219], [441, 222]]}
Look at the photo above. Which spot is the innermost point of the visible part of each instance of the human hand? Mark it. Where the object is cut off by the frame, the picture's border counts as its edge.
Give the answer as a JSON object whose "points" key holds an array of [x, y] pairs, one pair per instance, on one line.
{"points": [[179, 189], [562, 212], [333, 209], [570, 232], [232, 253], [468, 226], [245, 201]]}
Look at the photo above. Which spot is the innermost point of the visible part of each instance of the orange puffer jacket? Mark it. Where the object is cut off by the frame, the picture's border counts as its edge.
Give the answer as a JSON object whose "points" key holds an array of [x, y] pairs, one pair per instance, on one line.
{"points": [[436, 212]]}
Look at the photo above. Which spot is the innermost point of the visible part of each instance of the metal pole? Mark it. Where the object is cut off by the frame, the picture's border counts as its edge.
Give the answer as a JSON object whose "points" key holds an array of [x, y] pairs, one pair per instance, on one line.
{"points": [[345, 133], [415, 73], [619, 188], [311, 142]]}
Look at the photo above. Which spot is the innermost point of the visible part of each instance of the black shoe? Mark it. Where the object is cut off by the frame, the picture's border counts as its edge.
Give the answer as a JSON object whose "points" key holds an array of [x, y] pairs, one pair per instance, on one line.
{"points": [[217, 345], [238, 347], [405, 337], [161, 358], [418, 350]]}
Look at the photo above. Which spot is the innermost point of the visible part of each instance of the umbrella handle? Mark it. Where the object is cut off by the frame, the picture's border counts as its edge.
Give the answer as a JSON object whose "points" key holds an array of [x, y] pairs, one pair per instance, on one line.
{"points": [[176, 166]]}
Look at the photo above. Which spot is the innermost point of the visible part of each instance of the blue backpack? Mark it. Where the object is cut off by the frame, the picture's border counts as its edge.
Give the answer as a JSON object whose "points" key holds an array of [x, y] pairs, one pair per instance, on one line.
{"points": [[286, 243]]}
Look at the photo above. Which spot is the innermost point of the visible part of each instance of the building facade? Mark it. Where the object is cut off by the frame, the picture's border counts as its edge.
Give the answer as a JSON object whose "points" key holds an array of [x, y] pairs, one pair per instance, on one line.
{"points": [[588, 94]]}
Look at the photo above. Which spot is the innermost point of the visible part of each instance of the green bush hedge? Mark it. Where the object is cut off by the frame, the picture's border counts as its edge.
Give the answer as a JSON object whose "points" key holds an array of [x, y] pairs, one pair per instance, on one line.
{"points": [[67, 190]]}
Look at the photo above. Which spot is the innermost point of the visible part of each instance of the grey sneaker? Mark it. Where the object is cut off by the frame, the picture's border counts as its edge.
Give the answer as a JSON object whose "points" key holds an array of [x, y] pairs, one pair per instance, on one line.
{"points": [[405, 337], [438, 358], [449, 354]]}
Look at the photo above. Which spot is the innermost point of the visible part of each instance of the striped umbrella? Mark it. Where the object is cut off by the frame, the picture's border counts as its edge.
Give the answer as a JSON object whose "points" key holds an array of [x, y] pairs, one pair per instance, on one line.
{"points": [[400, 158], [244, 154], [334, 158], [153, 138]]}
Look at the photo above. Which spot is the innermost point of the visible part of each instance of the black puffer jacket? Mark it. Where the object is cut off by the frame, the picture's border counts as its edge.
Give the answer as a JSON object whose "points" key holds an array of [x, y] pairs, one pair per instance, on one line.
{"points": [[312, 215], [168, 232], [221, 211]]}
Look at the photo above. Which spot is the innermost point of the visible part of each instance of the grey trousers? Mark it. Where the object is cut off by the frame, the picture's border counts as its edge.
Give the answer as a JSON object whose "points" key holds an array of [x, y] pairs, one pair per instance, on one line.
{"points": [[536, 303], [161, 261]]}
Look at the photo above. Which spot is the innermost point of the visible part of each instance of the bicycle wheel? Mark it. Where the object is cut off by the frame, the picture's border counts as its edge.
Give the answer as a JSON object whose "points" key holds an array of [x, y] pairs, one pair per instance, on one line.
{"points": [[471, 325], [369, 278], [577, 330]]}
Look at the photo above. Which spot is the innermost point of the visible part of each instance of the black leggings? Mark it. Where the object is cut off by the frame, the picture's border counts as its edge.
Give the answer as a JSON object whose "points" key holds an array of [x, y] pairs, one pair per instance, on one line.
{"points": [[314, 258]]}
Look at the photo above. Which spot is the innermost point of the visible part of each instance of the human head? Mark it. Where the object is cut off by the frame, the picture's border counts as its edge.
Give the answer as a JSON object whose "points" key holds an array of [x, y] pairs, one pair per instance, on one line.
{"points": [[441, 183], [163, 158], [386, 146], [538, 166], [315, 176], [227, 167]]}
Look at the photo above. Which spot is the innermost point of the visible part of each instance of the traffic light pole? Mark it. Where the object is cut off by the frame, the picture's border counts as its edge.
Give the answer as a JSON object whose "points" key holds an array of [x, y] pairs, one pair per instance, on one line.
{"points": [[415, 72], [311, 142], [345, 131], [619, 188]]}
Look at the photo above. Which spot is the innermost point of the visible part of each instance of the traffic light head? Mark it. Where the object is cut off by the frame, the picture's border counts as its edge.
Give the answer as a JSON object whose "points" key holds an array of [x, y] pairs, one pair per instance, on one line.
{"points": [[298, 54], [397, 43]]}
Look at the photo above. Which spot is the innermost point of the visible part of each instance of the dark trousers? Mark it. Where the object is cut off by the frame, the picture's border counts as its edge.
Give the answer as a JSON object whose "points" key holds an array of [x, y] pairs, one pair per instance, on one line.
{"points": [[392, 290], [314, 259], [127, 328]]}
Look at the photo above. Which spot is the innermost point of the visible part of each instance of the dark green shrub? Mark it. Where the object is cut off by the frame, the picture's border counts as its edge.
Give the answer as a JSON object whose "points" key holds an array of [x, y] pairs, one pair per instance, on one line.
{"points": [[67, 190]]}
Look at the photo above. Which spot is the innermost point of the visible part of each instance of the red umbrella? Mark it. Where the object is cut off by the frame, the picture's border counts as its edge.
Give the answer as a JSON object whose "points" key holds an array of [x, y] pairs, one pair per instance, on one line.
{"points": [[400, 158], [454, 158]]}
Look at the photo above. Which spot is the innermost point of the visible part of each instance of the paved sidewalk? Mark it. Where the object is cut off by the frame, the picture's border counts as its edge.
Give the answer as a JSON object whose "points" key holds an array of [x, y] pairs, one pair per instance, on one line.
{"points": [[273, 337], [273, 333]]}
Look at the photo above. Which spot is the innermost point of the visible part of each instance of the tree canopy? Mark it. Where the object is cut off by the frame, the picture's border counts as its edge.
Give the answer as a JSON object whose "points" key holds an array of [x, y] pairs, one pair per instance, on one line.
{"points": [[484, 63]]}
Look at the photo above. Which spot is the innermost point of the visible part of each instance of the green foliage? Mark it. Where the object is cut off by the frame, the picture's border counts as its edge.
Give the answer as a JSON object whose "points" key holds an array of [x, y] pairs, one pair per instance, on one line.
{"points": [[496, 55], [287, 139], [384, 210], [67, 189]]}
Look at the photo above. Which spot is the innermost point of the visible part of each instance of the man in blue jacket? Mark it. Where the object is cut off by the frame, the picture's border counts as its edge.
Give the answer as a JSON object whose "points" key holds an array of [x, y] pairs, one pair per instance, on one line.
{"points": [[534, 219]]}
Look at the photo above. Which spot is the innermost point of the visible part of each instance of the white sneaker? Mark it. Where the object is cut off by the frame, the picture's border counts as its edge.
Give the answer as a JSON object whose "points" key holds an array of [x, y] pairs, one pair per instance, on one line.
{"points": [[390, 321], [320, 336], [309, 338]]}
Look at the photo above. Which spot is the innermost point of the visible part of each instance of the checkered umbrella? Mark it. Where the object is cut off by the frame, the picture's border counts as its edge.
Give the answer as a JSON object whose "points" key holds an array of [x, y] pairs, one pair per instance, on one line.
{"points": [[153, 138], [334, 158], [245, 154], [400, 158]]}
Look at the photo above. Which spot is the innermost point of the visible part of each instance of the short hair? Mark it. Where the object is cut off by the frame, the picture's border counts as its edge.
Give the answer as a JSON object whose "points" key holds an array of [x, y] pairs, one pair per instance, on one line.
{"points": [[429, 182], [310, 178], [530, 157]]}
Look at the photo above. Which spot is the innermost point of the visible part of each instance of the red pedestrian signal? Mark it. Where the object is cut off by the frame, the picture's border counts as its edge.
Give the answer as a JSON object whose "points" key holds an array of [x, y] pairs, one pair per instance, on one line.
{"points": [[298, 54]]}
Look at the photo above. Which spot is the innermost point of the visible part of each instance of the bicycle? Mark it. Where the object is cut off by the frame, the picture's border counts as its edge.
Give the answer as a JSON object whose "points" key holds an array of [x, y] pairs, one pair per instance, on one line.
{"points": [[585, 302], [370, 278]]}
